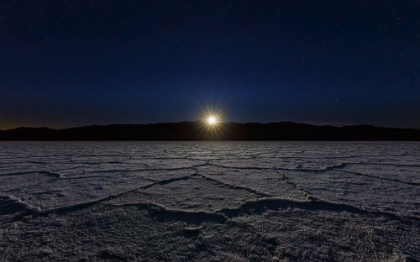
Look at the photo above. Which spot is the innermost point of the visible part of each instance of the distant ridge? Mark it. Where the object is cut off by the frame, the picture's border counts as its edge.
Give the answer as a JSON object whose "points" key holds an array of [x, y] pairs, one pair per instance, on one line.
{"points": [[197, 131]]}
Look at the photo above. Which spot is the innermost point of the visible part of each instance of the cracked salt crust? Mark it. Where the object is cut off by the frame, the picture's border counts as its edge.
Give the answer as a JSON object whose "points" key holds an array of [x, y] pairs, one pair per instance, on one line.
{"points": [[186, 201]]}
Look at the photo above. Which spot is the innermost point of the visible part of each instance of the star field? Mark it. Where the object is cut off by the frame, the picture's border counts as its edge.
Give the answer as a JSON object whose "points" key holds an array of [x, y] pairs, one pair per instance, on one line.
{"points": [[74, 63]]}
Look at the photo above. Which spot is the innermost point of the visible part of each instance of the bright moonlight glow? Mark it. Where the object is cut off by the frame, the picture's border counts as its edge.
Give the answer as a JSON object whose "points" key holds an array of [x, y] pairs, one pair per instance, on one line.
{"points": [[211, 120]]}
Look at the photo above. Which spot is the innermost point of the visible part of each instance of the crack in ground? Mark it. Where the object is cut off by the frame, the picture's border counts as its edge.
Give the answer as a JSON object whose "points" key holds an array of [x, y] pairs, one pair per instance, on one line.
{"points": [[257, 207], [147, 169], [387, 164], [168, 181], [47, 173], [234, 187], [326, 169], [31, 212], [261, 205], [382, 178], [71, 208], [295, 186], [339, 168]]}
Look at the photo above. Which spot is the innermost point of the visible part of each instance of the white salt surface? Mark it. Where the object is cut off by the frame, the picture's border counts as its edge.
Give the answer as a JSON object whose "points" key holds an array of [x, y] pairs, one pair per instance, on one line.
{"points": [[209, 201]]}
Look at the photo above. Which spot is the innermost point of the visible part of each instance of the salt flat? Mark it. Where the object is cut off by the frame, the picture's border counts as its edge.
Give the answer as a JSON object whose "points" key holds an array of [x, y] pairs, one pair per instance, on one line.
{"points": [[209, 201]]}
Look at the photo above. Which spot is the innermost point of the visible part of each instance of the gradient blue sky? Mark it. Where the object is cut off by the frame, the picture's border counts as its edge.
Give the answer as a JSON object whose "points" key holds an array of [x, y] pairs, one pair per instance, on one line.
{"points": [[74, 63]]}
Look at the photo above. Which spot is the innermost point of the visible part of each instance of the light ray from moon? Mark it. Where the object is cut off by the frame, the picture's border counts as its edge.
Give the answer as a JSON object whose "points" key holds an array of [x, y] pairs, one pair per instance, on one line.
{"points": [[212, 124]]}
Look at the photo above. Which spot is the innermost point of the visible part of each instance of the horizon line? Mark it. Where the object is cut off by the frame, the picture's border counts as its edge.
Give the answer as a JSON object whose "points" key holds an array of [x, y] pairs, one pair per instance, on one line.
{"points": [[221, 122]]}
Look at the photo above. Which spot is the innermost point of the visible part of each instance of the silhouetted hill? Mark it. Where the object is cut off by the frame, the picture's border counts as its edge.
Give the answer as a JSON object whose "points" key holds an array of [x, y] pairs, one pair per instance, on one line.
{"points": [[192, 131]]}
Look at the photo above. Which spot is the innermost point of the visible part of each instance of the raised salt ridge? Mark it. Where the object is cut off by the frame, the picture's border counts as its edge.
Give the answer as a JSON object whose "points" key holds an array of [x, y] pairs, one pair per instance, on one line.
{"points": [[209, 201]]}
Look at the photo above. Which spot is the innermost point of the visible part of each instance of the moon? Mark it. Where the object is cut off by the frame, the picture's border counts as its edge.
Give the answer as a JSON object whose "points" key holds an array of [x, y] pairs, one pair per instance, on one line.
{"points": [[211, 120]]}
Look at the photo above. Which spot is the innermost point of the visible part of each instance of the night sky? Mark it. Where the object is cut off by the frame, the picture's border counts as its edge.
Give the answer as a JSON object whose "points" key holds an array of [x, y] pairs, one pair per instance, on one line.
{"points": [[74, 63]]}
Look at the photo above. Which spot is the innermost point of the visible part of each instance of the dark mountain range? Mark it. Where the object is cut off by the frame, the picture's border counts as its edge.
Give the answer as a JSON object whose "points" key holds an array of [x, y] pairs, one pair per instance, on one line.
{"points": [[195, 131]]}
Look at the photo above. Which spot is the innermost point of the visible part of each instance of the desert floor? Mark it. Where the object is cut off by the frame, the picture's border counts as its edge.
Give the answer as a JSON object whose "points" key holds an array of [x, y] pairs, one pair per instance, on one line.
{"points": [[209, 201]]}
